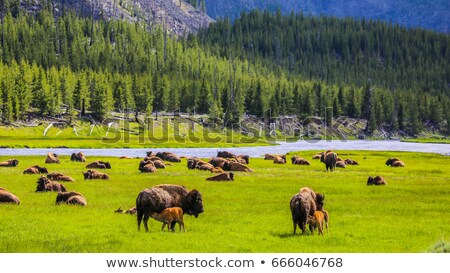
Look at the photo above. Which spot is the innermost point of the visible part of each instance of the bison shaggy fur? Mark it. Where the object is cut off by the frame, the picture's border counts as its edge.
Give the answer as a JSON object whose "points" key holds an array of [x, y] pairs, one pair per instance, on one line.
{"points": [[158, 198]]}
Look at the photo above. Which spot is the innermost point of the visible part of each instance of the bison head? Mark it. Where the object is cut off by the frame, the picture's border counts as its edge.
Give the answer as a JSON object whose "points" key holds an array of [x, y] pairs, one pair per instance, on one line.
{"points": [[294, 158], [191, 163], [42, 184], [192, 203], [13, 162], [370, 181], [42, 169], [319, 200], [73, 157], [87, 175]]}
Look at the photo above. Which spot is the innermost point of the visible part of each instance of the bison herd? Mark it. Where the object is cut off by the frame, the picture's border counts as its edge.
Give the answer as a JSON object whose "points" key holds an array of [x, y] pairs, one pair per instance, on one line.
{"points": [[167, 203]]}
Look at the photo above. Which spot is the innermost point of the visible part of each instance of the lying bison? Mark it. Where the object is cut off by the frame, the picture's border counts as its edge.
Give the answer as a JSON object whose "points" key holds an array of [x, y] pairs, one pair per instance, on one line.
{"points": [[158, 198], [227, 176], [45, 184], [98, 165], [269, 157], [296, 160], [78, 157], [167, 156], [349, 161], [35, 170], [377, 181], [52, 158], [8, 197], [225, 154], [329, 158], [244, 159], [236, 167], [280, 159], [10, 163], [56, 176], [391, 161], [94, 174], [72, 198], [147, 166]]}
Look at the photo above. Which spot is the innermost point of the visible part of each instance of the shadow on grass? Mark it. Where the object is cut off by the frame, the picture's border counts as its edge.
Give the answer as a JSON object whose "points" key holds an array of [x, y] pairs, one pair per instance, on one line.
{"points": [[285, 235]]}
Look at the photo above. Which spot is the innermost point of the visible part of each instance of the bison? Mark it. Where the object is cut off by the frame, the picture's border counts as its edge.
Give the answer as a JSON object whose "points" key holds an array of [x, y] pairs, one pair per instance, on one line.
{"points": [[316, 221], [377, 181], [147, 166], [280, 159], [35, 170], [45, 184], [225, 154], [235, 166], [160, 197], [296, 160], [269, 157], [93, 174], [217, 161], [56, 176], [78, 157], [244, 159], [330, 159], [168, 216], [317, 156], [398, 163], [340, 164], [390, 161], [227, 176], [167, 156], [304, 204], [98, 165], [349, 161], [10, 163], [73, 198], [52, 158], [8, 197]]}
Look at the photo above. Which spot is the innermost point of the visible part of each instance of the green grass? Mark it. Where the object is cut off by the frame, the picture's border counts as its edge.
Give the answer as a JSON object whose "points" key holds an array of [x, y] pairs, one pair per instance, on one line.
{"points": [[251, 214]]}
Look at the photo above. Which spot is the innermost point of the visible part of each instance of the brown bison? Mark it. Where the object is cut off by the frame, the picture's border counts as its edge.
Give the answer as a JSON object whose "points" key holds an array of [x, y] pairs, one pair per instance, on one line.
{"points": [[194, 163], [377, 181], [280, 159], [244, 159], [349, 161], [398, 163], [125, 157], [72, 198], [35, 170], [296, 160], [52, 158], [98, 165], [340, 164], [391, 161], [158, 198], [168, 216], [225, 154], [269, 157], [330, 159], [150, 153], [304, 204], [8, 197], [45, 184], [326, 218], [93, 174], [10, 163], [56, 176], [218, 161], [158, 162], [227, 176], [316, 221], [147, 166], [78, 157], [236, 167], [317, 156], [167, 156]]}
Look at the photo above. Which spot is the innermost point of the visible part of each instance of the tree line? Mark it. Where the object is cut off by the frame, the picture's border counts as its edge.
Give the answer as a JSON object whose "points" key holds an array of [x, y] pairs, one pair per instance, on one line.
{"points": [[71, 65]]}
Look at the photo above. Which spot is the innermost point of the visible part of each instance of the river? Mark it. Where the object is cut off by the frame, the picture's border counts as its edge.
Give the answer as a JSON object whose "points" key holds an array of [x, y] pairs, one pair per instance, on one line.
{"points": [[259, 151]]}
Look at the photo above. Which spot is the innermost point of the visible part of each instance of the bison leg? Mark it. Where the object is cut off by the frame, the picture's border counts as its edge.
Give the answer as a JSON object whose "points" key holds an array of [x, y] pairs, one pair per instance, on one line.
{"points": [[172, 225], [163, 226], [303, 227], [295, 227], [140, 214], [146, 217]]}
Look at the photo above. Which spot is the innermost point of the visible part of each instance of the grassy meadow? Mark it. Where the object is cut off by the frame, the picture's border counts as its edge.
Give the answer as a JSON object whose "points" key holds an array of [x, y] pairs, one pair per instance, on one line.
{"points": [[251, 214]]}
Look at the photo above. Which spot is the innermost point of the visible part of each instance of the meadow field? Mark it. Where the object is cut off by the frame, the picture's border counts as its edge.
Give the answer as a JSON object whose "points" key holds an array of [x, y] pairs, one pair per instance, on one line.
{"points": [[249, 215]]}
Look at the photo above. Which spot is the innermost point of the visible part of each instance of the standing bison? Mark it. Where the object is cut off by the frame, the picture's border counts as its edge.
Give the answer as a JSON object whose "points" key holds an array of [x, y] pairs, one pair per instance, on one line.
{"points": [[330, 159], [8, 197], [158, 198], [304, 204]]}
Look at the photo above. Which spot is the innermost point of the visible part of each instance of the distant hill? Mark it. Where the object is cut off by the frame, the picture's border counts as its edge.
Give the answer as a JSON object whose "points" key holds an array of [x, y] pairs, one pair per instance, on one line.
{"points": [[433, 15]]}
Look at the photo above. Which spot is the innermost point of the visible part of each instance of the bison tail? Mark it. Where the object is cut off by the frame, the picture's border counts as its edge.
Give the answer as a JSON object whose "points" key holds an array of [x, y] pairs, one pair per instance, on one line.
{"points": [[139, 210]]}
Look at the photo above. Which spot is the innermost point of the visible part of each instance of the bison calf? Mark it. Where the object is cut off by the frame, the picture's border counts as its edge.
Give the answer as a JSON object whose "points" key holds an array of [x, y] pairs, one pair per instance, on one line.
{"points": [[168, 216], [316, 221]]}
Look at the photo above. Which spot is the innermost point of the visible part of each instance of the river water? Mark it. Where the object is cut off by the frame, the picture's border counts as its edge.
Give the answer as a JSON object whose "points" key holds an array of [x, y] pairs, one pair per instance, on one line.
{"points": [[259, 151]]}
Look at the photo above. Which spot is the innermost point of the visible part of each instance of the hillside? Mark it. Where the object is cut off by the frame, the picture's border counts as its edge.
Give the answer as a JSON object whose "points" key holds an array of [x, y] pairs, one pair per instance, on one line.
{"points": [[177, 16], [417, 13]]}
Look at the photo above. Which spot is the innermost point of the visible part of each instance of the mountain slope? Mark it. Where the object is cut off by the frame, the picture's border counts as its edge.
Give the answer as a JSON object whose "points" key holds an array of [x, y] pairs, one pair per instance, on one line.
{"points": [[411, 13], [177, 16]]}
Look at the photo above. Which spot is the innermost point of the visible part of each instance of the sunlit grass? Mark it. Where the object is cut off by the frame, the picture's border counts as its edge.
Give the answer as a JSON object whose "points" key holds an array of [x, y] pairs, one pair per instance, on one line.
{"points": [[251, 214]]}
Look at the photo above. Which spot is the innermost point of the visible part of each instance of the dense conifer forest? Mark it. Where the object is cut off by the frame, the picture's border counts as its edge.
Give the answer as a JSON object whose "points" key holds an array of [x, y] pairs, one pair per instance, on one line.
{"points": [[264, 64]]}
